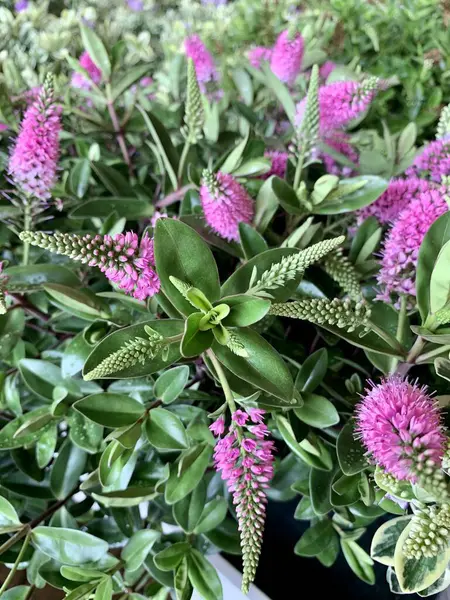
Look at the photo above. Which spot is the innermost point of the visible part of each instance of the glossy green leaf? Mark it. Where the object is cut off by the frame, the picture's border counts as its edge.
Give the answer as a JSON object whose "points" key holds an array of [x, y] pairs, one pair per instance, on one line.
{"points": [[245, 310], [169, 558], [69, 546], [80, 303], [33, 277], [67, 469], [315, 539], [96, 50], [84, 433], [366, 195], [264, 368], [9, 519], [7, 433], [187, 473], [312, 371], [213, 514], [385, 540], [320, 490], [180, 252], [252, 242], [188, 511], [137, 548], [123, 206], [317, 411], [165, 430], [104, 590], [171, 383], [358, 560], [350, 453], [203, 576], [163, 142], [110, 410], [79, 177], [440, 280]]}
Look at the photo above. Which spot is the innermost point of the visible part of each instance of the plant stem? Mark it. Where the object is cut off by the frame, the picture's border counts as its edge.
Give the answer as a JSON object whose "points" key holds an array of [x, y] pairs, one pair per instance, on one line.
{"points": [[299, 169], [388, 338], [27, 227], [174, 196], [183, 160], [12, 572], [423, 358], [400, 330], [119, 134]]}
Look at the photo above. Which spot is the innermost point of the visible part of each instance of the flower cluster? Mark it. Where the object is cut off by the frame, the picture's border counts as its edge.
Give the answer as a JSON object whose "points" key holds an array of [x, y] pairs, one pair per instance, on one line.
{"points": [[79, 80], [245, 460], [258, 55], [340, 142], [399, 424], [122, 258], [34, 158], [205, 67], [433, 161], [286, 57], [279, 163], [402, 244], [225, 204], [395, 199]]}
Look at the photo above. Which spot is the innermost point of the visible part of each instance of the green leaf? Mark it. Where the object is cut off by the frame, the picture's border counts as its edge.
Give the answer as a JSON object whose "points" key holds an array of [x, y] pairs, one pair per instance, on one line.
{"points": [[318, 459], [266, 206], [317, 411], [312, 371], [180, 252], [213, 514], [79, 177], [329, 556], [171, 383], [113, 181], [350, 453], [68, 546], [80, 303], [253, 167], [435, 239], [358, 560], [203, 576], [110, 410], [281, 92], [287, 197], [132, 496], [226, 537], [75, 355], [104, 590], [234, 158], [442, 366], [170, 558], [84, 433], [366, 195], [187, 473], [440, 280], [115, 341], [315, 539], [187, 512], [132, 75], [166, 149], [252, 242], [41, 377], [165, 430], [9, 519], [7, 433], [96, 50], [239, 281], [385, 539], [80, 574], [137, 548], [123, 206], [415, 574], [304, 510], [243, 83], [264, 368], [320, 490], [194, 341], [244, 310], [67, 469], [182, 585], [33, 277], [19, 592]]}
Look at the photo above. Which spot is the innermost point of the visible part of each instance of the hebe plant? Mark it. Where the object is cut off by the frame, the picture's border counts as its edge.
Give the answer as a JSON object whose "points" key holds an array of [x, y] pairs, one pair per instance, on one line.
{"points": [[189, 316]]}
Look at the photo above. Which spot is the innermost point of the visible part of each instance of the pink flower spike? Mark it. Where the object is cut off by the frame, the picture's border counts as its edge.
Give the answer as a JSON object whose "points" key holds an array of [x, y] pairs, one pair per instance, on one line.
{"points": [[260, 431], [287, 56], [433, 161], [203, 61], [249, 445], [279, 163], [34, 158], [399, 424], [256, 414], [218, 427], [79, 80], [258, 55], [239, 417], [225, 204]]}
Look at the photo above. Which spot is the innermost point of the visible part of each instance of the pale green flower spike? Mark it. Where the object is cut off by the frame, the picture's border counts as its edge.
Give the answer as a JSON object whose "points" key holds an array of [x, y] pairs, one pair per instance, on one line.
{"points": [[194, 116], [343, 272]]}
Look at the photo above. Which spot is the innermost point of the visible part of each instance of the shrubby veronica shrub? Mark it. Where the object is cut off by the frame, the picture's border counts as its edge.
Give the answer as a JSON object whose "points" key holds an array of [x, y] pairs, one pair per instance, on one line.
{"points": [[224, 281]]}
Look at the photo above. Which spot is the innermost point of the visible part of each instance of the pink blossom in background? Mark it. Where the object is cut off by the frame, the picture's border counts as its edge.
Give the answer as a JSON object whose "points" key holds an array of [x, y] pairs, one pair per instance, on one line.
{"points": [[279, 163], [340, 103], [205, 67], [326, 69], [433, 161], [3, 127], [401, 246], [397, 197], [399, 424], [287, 56], [21, 5], [258, 55], [340, 142], [136, 5], [225, 203], [34, 157], [79, 80]]}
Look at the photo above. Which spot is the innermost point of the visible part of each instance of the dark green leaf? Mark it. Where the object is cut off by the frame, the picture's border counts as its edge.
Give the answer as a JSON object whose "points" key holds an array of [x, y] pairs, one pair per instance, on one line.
{"points": [[69, 546], [187, 512], [244, 310], [203, 576], [350, 453], [110, 410], [165, 430], [317, 411], [171, 383], [137, 548], [187, 473], [320, 491], [170, 558], [252, 242], [67, 469], [312, 371], [315, 539]]}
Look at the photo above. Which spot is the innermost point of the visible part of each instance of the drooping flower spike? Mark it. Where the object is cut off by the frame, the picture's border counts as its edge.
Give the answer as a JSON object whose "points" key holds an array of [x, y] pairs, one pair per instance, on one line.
{"points": [[287, 56], [245, 460], [122, 258], [34, 157], [400, 426], [225, 204], [401, 247], [79, 80]]}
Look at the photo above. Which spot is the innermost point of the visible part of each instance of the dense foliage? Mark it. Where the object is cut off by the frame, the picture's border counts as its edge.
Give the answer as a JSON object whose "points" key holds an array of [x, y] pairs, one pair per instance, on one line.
{"points": [[224, 280]]}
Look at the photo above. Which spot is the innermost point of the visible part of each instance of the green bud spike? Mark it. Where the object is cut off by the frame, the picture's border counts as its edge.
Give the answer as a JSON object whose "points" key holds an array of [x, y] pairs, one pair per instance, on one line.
{"points": [[194, 116], [132, 353], [291, 266], [443, 127], [343, 272], [308, 134], [429, 534], [341, 313], [2, 302]]}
